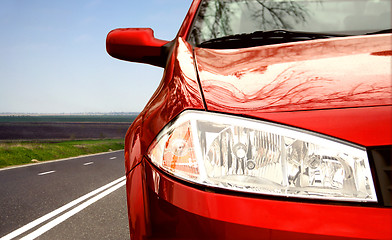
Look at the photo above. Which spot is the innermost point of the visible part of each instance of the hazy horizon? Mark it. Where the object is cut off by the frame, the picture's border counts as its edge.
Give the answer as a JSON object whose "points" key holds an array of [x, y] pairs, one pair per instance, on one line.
{"points": [[59, 114]]}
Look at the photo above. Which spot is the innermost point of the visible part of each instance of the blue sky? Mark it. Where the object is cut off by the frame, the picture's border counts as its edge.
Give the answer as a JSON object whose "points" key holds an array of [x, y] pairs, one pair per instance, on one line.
{"points": [[53, 57]]}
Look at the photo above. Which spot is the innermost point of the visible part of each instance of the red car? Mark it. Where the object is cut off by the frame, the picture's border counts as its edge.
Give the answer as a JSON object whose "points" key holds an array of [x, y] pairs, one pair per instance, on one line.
{"points": [[273, 120]]}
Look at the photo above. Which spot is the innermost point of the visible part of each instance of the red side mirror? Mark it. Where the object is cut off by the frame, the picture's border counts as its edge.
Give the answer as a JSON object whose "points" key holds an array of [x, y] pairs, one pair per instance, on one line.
{"points": [[136, 45]]}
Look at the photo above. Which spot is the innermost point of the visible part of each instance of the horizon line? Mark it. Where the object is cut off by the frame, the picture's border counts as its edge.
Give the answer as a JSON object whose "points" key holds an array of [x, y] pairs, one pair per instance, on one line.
{"points": [[64, 113]]}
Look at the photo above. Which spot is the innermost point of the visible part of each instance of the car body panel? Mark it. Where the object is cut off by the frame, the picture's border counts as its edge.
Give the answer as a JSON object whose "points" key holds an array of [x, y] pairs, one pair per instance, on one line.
{"points": [[188, 21], [179, 90], [307, 85], [264, 218], [340, 87], [309, 75], [154, 198], [136, 202], [366, 126]]}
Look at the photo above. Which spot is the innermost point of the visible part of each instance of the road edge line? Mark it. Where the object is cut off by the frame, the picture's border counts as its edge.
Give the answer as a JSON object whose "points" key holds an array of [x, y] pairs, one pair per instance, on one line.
{"points": [[57, 211], [72, 212]]}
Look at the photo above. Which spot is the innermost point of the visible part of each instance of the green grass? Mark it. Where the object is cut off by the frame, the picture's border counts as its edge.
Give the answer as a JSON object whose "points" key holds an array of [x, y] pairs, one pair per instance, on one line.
{"points": [[17, 153]]}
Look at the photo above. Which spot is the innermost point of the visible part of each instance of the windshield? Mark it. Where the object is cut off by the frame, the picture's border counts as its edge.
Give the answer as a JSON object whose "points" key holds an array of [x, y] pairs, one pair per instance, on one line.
{"points": [[220, 18]]}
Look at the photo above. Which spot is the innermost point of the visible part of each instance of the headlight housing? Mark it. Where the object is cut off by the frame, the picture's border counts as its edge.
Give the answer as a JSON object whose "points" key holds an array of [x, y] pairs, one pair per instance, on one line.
{"points": [[255, 156]]}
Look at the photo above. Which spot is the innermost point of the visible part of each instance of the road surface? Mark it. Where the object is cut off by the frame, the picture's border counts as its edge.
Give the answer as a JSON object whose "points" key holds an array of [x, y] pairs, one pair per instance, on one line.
{"points": [[78, 198]]}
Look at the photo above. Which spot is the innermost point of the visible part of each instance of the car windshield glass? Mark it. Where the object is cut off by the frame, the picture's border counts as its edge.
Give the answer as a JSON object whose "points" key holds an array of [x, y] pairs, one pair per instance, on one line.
{"points": [[217, 19]]}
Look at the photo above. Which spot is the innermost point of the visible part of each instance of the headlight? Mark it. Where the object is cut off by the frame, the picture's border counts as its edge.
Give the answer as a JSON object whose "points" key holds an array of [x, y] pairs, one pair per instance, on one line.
{"points": [[260, 157]]}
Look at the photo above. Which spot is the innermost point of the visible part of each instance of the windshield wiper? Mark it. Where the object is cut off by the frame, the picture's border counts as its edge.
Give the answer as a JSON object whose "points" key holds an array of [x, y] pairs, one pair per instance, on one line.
{"points": [[264, 38]]}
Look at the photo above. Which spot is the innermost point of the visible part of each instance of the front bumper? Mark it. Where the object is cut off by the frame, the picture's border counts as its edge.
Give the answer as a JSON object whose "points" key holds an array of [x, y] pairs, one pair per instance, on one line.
{"points": [[177, 210]]}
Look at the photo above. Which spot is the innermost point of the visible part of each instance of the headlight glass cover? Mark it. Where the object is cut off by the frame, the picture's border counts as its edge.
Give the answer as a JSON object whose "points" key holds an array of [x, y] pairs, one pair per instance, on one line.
{"points": [[255, 156]]}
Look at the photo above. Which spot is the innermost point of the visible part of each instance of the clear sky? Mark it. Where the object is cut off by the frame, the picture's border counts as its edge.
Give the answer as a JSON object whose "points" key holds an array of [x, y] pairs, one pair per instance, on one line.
{"points": [[53, 57]]}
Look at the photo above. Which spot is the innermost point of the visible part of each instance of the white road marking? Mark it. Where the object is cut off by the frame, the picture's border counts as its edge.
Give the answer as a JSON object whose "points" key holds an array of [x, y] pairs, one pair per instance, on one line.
{"points": [[69, 214], [112, 158], [120, 182], [88, 163], [44, 173]]}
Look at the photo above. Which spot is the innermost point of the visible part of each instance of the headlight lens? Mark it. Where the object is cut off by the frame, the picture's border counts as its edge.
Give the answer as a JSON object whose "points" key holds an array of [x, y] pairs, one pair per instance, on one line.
{"points": [[255, 156]]}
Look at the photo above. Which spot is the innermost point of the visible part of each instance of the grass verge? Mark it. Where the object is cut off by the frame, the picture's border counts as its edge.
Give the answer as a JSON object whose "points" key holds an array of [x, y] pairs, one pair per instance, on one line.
{"points": [[17, 153]]}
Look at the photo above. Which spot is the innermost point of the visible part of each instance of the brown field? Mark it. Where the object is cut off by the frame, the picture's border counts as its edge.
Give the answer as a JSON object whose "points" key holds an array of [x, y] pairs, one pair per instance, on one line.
{"points": [[62, 130]]}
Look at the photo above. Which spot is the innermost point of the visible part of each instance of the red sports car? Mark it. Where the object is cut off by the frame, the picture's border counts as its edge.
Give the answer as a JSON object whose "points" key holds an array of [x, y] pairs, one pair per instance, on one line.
{"points": [[273, 120]]}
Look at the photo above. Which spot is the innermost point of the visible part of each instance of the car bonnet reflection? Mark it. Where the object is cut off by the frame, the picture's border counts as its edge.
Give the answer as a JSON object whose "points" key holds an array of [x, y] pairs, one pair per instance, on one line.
{"points": [[332, 73]]}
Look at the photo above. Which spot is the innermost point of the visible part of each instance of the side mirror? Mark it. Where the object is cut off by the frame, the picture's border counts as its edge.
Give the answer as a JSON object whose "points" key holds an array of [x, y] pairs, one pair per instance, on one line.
{"points": [[137, 45]]}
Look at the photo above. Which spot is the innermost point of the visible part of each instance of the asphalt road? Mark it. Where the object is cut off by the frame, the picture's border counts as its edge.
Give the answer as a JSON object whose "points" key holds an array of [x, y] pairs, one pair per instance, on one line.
{"points": [[79, 198]]}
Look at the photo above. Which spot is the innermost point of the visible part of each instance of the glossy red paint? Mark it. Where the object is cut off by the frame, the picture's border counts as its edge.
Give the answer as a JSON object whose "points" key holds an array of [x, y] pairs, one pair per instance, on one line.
{"points": [[321, 74], [327, 86], [334, 78], [178, 90], [136, 204], [135, 44], [186, 24], [182, 211], [161, 207], [367, 126]]}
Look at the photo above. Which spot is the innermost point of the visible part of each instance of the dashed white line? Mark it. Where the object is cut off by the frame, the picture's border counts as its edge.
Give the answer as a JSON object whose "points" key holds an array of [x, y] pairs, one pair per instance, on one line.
{"points": [[104, 190], [69, 214], [88, 163], [112, 158], [44, 173]]}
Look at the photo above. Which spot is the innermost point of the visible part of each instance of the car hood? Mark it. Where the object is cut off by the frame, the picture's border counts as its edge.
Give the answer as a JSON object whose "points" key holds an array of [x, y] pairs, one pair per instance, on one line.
{"points": [[321, 75]]}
